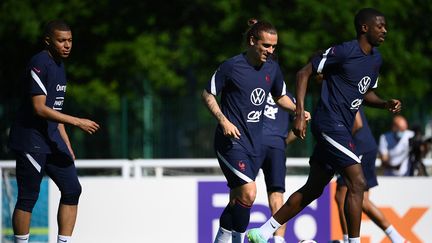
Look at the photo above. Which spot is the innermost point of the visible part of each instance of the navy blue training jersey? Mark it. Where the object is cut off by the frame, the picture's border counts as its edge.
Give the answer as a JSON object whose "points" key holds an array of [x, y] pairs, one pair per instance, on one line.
{"points": [[29, 132], [363, 138], [348, 74], [275, 124], [243, 90]]}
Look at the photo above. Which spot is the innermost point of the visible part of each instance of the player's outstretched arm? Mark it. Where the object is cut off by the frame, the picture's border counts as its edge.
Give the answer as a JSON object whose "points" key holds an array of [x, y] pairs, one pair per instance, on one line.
{"points": [[302, 77], [229, 129], [287, 104], [45, 112], [372, 99]]}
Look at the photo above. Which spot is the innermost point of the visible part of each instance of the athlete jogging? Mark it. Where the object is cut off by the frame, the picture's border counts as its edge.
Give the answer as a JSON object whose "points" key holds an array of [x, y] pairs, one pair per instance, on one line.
{"points": [[350, 69], [244, 82]]}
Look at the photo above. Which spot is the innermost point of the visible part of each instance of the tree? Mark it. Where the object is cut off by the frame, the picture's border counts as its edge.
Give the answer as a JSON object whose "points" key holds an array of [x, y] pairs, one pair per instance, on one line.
{"points": [[124, 50]]}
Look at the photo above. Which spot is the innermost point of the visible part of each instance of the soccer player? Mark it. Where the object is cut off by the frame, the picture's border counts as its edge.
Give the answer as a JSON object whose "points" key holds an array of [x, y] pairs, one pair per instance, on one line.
{"points": [[366, 149], [350, 69], [276, 135], [39, 139], [244, 82]]}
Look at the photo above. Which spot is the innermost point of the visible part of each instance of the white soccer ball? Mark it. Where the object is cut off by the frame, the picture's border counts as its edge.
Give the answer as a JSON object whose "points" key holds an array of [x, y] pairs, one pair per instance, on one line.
{"points": [[307, 241]]}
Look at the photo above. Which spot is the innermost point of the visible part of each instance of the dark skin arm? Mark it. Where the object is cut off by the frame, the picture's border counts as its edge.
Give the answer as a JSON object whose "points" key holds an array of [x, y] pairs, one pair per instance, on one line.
{"points": [[372, 99], [302, 77], [47, 113]]}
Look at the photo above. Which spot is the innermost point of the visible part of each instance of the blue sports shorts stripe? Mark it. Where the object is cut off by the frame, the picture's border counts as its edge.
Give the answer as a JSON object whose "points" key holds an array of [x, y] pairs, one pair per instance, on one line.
{"points": [[238, 167], [368, 165], [335, 150]]}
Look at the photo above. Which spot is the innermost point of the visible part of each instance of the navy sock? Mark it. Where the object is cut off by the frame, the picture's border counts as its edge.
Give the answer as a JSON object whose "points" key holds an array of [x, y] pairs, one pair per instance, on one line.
{"points": [[225, 220], [240, 213]]}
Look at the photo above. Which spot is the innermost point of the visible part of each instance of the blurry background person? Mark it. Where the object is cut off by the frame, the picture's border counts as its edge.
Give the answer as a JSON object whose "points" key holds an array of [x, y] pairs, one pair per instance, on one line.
{"points": [[419, 147], [394, 148]]}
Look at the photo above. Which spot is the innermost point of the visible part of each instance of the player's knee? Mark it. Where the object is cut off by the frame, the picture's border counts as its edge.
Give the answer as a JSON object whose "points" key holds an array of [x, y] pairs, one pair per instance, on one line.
{"points": [[248, 197], [358, 185], [71, 196], [27, 202]]}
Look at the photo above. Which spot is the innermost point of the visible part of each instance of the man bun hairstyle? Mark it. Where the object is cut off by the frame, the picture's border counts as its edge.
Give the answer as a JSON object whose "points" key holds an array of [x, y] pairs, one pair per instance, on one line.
{"points": [[256, 27], [54, 25], [364, 16]]}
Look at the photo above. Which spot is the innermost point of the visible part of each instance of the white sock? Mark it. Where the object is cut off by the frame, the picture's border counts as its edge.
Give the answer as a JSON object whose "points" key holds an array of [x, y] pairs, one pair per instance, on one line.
{"points": [[354, 240], [223, 236], [394, 235], [238, 237], [279, 239], [21, 238], [345, 239], [64, 239], [268, 228]]}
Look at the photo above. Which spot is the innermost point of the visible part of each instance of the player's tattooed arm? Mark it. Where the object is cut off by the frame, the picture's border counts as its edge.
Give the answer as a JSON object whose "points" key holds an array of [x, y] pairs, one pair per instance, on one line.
{"points": [[229, 129], [211, 103]]}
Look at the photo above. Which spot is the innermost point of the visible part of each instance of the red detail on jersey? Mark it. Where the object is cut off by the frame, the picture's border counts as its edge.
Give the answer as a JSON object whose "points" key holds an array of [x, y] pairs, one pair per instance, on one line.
{"points": [[242, 165], [37, 70], [267, 78], [351, 145]]}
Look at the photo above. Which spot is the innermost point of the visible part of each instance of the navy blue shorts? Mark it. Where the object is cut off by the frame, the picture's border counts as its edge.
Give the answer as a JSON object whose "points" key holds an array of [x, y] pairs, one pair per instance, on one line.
{"points": [[334, 150], [274, 168], [238, 166], [31, 167], [368, 165]]}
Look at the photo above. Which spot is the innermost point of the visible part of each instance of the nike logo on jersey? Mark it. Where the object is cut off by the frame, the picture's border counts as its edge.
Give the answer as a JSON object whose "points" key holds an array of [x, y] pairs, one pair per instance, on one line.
{"points": [[273, 226], [37, 70], [62, 240]]}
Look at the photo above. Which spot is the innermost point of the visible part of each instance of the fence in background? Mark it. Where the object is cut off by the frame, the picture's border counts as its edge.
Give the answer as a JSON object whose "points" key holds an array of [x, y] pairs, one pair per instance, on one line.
{"points": [[150, 126], [137, 168]]}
